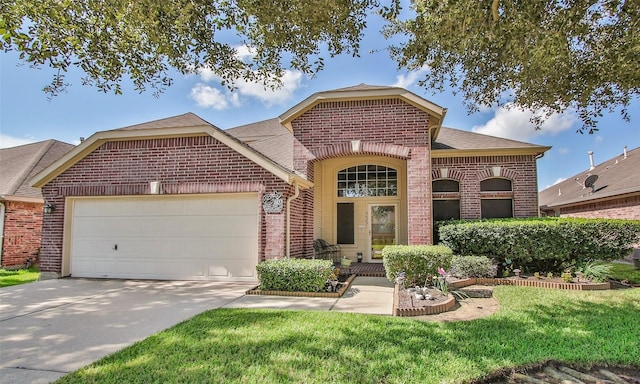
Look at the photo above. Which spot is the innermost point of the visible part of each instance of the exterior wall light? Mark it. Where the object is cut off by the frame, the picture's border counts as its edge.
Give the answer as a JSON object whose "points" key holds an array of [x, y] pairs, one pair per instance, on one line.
{"points": [[48, 208]]}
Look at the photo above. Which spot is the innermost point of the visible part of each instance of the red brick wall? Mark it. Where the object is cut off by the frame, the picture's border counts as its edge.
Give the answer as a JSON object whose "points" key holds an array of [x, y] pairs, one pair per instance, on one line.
{"points": [[623, 208], [182, 165], [469, 171], [330, 127], [22, 230]]}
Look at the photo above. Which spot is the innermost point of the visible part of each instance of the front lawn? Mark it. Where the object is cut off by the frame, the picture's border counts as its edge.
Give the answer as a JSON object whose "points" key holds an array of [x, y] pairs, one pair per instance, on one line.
{"points": [[272, 346], [621, 272], [10, 277]]}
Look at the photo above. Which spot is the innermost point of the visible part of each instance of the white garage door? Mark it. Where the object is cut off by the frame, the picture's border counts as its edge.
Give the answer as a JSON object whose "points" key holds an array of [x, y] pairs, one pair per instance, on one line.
{"points": [[160, 237]]}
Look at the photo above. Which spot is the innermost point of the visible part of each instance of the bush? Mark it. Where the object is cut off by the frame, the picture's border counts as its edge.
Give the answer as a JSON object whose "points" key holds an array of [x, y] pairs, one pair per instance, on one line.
{"points": [[472, 266], [294, 274], [418, 262], [548, 244]]}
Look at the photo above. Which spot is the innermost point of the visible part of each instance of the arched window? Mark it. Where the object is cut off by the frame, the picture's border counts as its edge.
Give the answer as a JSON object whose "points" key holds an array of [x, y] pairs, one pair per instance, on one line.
{"points": [[367, 180], [446, 206], [496, 198], [445, 185]]}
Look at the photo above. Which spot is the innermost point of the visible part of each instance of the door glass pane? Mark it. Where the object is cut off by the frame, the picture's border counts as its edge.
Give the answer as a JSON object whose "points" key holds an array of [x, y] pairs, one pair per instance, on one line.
{"points": [[383, 228], [345, 224]]}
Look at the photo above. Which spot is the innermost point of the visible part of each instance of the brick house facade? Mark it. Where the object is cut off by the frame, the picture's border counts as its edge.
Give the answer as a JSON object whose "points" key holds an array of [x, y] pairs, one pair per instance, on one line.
{"points": [[21, 205], [355, 166], [615, 193]]}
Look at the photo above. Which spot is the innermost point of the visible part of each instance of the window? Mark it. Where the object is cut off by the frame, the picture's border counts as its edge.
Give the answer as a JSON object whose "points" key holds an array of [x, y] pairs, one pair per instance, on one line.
{"points": [[445, 185], [446, 210], [496, 208], [345, 225], [495, 184], [367, 180], [497, 198]]}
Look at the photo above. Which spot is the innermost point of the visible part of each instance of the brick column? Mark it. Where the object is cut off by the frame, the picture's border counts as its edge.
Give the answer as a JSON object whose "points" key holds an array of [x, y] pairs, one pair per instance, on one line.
{"points": [[419, 196], [275, 236]]}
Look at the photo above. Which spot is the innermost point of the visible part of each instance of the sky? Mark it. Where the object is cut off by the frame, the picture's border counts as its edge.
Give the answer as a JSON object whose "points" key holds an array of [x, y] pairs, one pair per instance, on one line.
{"points": [[27, 115]]}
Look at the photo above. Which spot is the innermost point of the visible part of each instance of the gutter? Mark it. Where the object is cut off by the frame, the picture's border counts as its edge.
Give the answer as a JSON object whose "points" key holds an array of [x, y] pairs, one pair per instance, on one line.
{"points": [[288, 225]]}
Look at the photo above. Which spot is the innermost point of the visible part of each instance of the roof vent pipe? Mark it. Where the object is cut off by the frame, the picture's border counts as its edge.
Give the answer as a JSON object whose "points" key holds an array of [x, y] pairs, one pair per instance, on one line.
{"points": [[625, 152], [592, 166]]}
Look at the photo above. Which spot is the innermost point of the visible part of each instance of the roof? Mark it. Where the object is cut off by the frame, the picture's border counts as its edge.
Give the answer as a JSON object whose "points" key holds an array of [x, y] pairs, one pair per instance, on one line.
{"points": [[188, 124], [367, 92], [268, 137], [20, 164], [616, 176], [454, 142]]}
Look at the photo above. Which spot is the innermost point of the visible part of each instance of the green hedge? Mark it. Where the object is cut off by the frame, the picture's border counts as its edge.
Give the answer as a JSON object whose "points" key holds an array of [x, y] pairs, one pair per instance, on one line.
{"points": [[418, 262], [543, 244], [294, 274]]}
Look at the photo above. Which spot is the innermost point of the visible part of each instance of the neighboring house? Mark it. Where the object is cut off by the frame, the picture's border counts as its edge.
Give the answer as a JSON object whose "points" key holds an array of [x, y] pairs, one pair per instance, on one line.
{"points": [[20, 204], [363, 167], [607, 190]]}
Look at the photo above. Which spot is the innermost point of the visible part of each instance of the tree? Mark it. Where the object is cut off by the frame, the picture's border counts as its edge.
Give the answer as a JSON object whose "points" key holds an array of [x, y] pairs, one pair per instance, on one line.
{"points": [[551, 55], [143, 39]]}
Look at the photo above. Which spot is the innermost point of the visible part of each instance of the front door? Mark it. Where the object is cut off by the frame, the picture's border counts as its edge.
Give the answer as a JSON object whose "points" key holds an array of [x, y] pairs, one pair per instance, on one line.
{"points": [[382, 229]]}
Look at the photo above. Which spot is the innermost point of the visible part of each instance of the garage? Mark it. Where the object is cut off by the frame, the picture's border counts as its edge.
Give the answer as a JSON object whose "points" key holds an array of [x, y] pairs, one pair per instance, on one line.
{"points": [[183, 237]]}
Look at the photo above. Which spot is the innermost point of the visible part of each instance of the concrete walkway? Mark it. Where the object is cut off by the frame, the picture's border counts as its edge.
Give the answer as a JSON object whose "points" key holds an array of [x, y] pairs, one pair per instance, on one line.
{"points": [[53, 327], [372, 295]]}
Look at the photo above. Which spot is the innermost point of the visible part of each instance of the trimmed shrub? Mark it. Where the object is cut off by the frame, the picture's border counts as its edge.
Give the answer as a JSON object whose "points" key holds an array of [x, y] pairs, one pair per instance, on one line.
{"points": [[472, 266], [543, 244], [418, 262], [294, 274]]}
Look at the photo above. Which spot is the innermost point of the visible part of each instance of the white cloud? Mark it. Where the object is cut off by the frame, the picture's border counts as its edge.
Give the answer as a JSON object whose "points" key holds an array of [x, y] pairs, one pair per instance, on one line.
{"points": [[7, 141], [514, 123], [563, 151], [209, 97], [222, 98], [405, 81]]}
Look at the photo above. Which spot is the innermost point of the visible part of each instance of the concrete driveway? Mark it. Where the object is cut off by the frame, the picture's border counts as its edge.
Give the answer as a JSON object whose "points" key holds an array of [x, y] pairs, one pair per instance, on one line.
{"points": [[53, 327]]}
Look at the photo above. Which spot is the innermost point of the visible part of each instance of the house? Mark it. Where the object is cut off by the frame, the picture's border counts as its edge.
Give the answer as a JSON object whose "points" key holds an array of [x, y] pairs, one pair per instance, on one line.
{"points": [[363, 166], [20, 204], [607, 190]]}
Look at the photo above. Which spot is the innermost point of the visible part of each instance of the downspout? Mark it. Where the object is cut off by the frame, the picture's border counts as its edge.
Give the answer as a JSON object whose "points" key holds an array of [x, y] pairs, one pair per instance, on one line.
{"points": [[2, 211], [288, 224]]}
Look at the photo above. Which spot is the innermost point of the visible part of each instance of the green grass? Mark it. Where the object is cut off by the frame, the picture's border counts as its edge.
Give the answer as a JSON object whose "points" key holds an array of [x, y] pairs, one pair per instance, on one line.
{"points": [[19, 276], [619, 271], [271, 346]]}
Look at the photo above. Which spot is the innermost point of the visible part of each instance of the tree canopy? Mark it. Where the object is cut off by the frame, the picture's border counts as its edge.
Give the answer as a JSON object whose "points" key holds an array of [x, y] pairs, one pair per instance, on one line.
{"points": [[549, 55], [112, 40]]}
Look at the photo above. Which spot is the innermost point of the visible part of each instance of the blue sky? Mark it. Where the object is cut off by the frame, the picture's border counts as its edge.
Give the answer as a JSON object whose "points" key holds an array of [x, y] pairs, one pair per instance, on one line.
{"points": [[26, 115]]}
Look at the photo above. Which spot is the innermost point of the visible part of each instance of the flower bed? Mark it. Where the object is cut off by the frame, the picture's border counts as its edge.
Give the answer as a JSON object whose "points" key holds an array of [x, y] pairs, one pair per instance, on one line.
{"points": [[532, 282], [405, 304]]}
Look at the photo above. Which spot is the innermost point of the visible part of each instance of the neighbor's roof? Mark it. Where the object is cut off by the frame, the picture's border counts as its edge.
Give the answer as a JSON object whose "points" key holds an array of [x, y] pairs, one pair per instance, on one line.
{"points": [[184, 125], [617, 176], [367, 92], [454, 142], [19, 164]]}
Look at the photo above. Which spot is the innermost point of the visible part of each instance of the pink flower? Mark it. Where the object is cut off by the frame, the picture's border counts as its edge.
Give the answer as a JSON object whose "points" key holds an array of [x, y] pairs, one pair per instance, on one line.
{"points": [[441, 271]]}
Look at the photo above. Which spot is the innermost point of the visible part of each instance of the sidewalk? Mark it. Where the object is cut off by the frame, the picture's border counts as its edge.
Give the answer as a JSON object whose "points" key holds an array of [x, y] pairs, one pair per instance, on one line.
{"points": [[370, 295]]}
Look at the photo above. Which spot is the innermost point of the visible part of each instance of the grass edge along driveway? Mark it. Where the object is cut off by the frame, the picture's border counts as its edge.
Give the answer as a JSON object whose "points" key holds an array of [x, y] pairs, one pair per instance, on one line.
{"points": [[271, 346]]}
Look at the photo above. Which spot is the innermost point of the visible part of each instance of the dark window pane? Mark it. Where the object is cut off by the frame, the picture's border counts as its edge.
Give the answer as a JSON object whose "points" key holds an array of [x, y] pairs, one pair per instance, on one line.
{"points": [[495, 184], [345, 223], [496, 208], [446, 185], [446, 210]]}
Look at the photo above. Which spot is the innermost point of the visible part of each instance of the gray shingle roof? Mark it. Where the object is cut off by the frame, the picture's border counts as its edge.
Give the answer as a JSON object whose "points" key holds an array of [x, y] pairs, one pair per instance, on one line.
{"points": [[20, 164], [186, 120], [450, 138], [616, 176], [268, 137]]}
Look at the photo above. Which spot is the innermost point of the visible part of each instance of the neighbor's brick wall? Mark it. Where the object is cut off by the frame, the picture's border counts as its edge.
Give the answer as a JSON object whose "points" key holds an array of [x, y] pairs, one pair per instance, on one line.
{"points": [[469, 171], [330, 127], [182, 165], [22, 230], [624, 208]]}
